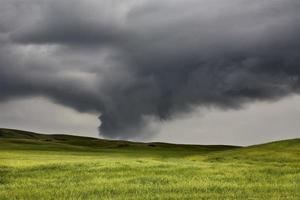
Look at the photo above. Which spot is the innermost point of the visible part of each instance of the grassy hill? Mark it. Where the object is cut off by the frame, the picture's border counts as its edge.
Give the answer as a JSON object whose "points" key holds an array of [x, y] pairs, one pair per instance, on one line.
{"points": [[37, 166]]}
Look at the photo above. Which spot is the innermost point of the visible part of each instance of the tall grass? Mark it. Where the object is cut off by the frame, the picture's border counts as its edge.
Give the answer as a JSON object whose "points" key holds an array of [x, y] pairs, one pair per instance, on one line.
{"points": [[29, 170]]}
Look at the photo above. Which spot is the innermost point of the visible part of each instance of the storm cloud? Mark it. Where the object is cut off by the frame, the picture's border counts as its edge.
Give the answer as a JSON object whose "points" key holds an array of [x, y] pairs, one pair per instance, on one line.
{"points": [[138, 61]]}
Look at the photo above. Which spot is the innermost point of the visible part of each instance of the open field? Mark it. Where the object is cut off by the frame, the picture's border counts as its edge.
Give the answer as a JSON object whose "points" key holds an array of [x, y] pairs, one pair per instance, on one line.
{"points": [[34, 166]]}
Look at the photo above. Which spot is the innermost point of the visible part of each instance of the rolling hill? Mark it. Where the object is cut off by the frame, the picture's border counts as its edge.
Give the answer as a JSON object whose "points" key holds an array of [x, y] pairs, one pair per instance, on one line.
{"points": [[38, 166], [70, 142]]}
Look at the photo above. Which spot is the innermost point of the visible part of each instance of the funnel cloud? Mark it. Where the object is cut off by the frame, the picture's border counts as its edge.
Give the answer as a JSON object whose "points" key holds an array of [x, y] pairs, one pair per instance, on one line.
{"points": [[135, 62]]}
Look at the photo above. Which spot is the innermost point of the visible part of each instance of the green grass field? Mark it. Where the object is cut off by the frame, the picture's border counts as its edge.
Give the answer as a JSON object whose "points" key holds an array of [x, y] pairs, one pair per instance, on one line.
{"points": [[35, 166]]}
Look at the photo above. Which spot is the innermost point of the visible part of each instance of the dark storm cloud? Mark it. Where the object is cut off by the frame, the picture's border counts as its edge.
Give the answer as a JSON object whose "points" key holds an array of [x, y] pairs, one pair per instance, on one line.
{"points": [[65, 23], [138, 61]]}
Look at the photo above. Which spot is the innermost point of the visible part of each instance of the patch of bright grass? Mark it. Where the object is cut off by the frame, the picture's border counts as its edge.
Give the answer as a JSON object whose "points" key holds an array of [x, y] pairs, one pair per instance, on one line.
{"points": [[47, 167]]}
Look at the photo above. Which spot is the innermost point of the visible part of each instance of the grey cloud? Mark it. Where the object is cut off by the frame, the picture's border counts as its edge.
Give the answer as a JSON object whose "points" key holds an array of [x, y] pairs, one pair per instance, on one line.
{"points": [[72, 23], [150, 60]]}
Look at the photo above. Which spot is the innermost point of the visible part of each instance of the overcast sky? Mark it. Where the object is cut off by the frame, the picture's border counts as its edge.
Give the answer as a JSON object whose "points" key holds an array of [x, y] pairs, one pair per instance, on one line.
{"points": [[193, 71]]}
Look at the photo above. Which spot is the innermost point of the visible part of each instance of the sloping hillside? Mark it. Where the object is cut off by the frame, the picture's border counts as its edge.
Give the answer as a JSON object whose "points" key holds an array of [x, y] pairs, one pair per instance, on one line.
{"points": [[18, 139], [37, 166]]}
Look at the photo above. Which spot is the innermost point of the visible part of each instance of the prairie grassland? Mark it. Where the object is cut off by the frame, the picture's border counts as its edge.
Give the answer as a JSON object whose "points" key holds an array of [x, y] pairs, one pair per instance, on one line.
{"points": [[36, 166]]}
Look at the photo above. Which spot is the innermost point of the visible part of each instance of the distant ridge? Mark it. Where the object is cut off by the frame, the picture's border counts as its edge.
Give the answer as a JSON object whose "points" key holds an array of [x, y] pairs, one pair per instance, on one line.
{"points": [[285, 151], [21, 139], [21, 134]]}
